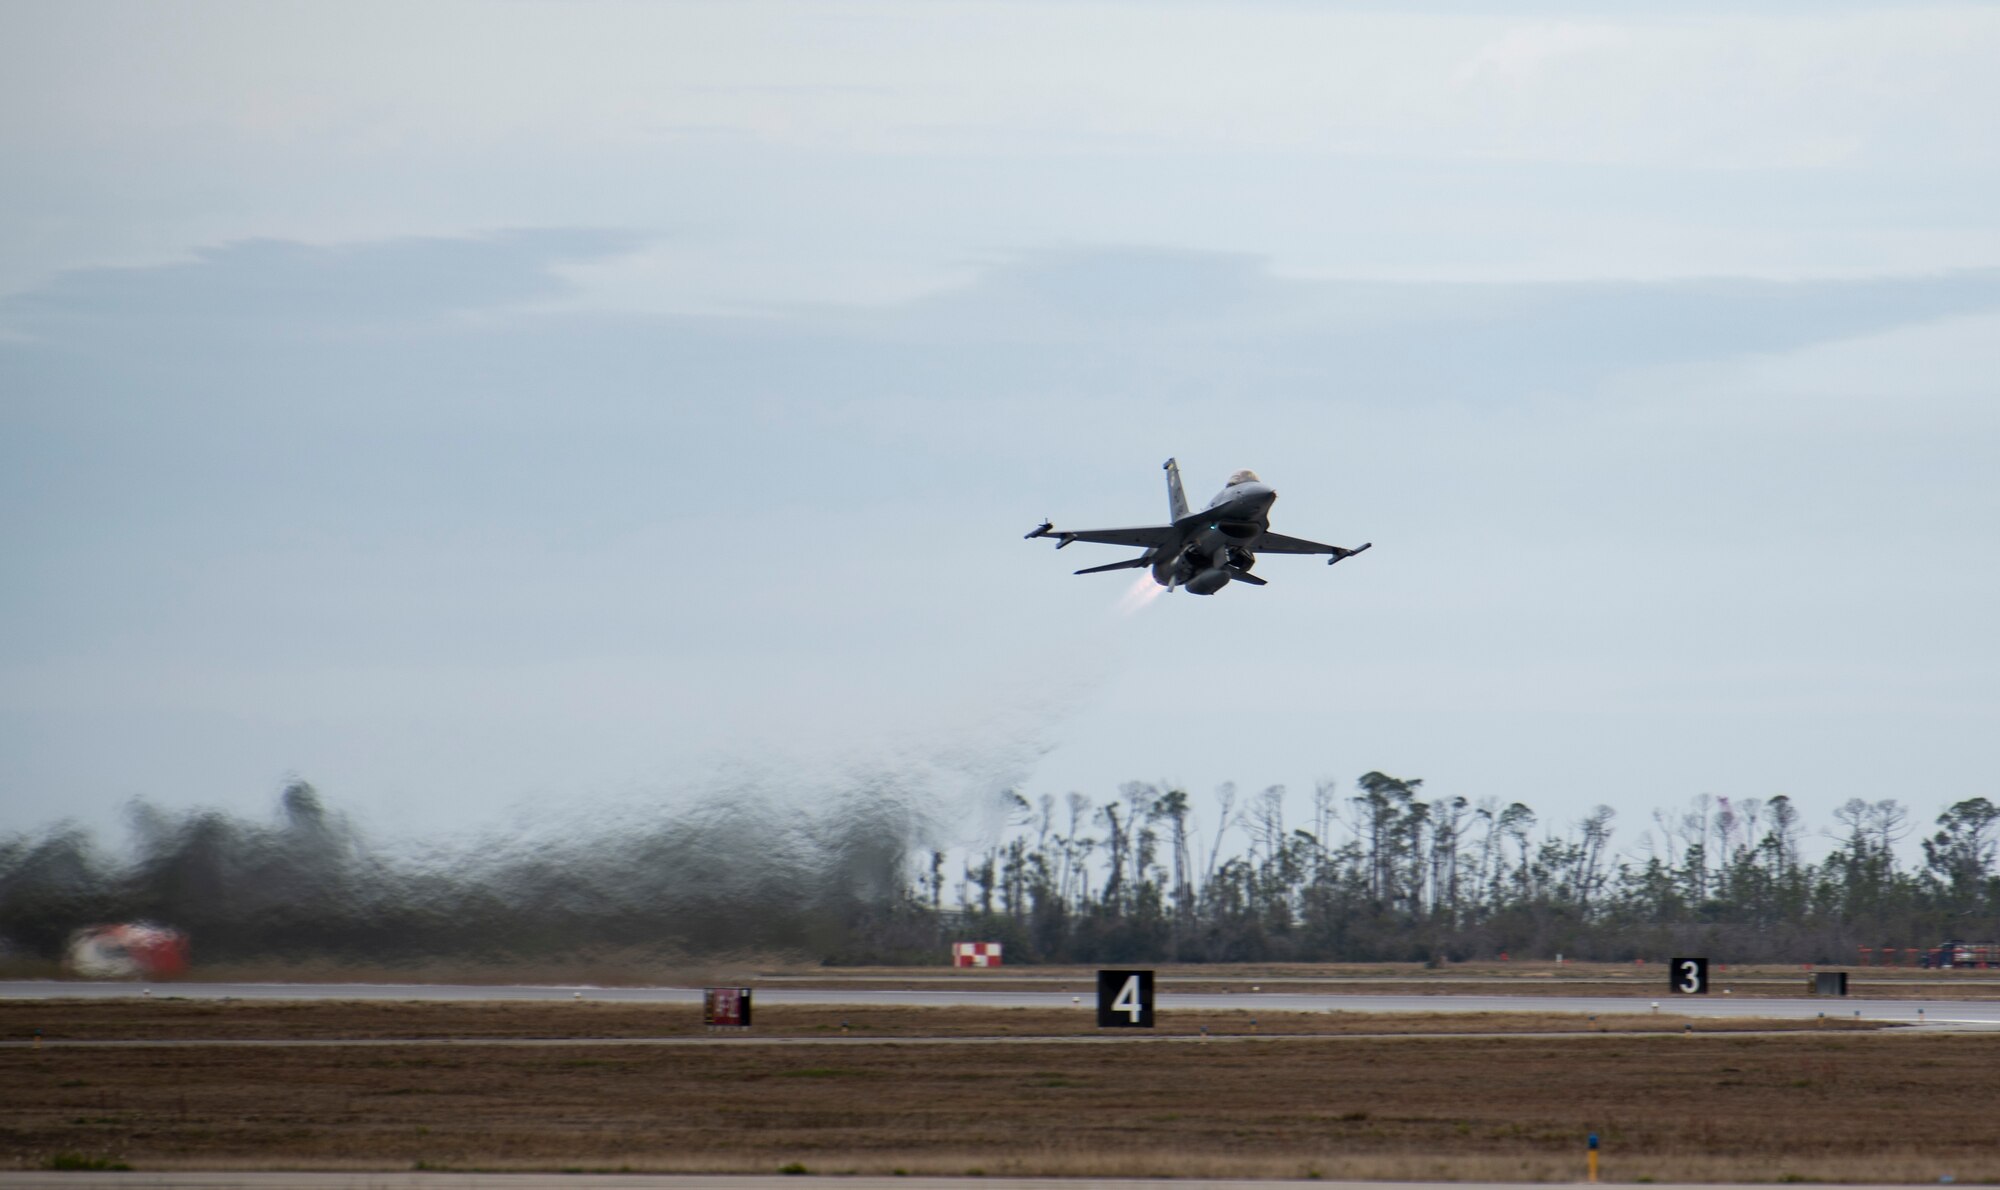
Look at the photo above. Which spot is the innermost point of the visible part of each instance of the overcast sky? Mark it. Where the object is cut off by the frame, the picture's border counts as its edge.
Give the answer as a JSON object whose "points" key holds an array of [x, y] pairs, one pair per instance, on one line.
{"points": [[493, 411]]}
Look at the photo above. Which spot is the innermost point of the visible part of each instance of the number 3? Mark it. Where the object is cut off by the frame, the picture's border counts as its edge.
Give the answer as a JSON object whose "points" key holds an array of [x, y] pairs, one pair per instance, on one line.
{"points": [[1690, 976]]}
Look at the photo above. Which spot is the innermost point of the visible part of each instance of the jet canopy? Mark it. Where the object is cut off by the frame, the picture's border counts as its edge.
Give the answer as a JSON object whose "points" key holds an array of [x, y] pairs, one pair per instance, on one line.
{"points": [[1244, 476]]}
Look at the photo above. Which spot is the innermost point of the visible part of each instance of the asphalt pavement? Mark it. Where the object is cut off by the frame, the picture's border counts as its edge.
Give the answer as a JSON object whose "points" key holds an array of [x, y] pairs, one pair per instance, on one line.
{"points": [[1717, 1004]]}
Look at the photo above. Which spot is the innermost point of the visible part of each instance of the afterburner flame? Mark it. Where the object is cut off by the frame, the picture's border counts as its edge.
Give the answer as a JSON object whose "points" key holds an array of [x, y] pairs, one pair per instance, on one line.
{"points": [[1142, 592]]}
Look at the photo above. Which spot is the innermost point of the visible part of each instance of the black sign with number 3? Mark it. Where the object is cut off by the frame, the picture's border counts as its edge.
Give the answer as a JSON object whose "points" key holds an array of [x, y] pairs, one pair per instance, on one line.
{"points": [[1688, 977]]}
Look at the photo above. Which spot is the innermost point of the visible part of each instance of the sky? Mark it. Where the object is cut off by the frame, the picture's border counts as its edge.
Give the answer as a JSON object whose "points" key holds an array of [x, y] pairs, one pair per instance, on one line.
{"points": [[507, 412]]}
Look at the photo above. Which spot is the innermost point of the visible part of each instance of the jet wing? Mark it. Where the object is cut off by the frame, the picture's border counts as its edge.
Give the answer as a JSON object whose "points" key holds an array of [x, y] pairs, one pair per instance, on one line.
{"points": [[1144, 537], [1278, 543]]}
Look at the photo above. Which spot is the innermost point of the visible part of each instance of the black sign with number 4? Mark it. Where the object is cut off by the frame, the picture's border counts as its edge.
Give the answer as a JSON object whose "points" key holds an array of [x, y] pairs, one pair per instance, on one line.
{"points": [[1124, 999], [1688, 977]]}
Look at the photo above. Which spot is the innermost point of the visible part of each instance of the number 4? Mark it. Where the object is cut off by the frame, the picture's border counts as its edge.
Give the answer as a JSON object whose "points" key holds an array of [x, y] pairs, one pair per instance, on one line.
{"points": [[1127, 999]]}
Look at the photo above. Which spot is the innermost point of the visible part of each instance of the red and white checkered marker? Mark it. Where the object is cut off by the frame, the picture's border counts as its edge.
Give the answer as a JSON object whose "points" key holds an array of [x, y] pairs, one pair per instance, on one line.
{"points": [[975, 954]]}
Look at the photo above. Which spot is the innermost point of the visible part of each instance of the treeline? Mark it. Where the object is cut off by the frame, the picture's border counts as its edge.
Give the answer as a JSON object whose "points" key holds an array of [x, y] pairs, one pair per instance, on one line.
{"points": [[1378, 872], [737, 873]]}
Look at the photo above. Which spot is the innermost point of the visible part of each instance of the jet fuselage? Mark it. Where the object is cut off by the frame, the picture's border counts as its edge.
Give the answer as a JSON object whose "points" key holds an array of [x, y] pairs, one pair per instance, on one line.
{"points": [[1239, 514]]}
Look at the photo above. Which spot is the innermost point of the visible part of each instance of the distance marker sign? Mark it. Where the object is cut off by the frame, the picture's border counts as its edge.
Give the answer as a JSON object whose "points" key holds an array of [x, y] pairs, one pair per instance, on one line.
{"points": [[1688, 977], [1124, 999], [725, 1008]]}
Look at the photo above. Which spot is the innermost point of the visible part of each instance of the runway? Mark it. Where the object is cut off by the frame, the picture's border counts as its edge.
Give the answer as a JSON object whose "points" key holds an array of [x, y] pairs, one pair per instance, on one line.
{"points": [[1963, 1013]]}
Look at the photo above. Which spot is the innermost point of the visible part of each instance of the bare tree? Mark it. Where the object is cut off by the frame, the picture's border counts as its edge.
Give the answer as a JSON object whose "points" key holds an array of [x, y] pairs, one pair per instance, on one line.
{"points": [[1114, 881], [1447, 825], [1172, 808], [1226, 817], [1266, 815], [1596, 832]]}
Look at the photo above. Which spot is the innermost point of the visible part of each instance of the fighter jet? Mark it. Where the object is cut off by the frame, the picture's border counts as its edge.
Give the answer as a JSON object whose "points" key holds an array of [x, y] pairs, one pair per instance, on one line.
{"points": [[1202, 551]]}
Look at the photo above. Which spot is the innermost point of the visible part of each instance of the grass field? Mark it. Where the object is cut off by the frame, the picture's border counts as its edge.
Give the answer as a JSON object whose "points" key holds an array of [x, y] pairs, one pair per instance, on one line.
{"points": [[1833, 1104]]}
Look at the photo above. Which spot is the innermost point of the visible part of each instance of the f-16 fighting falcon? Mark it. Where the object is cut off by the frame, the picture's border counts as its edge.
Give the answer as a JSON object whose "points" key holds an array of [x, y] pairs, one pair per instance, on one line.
{"points": [[1202, 551]]}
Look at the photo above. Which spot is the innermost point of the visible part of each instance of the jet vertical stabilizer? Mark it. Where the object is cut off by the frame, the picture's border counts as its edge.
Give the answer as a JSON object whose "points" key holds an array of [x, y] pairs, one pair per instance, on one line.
{"points": [[1176, 499]]}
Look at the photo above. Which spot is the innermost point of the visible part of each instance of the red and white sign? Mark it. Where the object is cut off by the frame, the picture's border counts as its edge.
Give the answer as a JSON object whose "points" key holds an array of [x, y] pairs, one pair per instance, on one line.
{"points": [[725, 1008], [975, 954], [132, 950]]}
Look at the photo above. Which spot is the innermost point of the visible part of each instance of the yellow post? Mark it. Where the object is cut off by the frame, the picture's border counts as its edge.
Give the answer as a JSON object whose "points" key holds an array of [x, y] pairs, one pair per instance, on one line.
{"points": [[1593, 1158]]}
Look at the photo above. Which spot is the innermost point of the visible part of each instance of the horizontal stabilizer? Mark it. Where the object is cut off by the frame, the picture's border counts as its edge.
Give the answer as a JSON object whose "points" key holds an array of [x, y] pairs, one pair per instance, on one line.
{"points": [[1244, 576], [1133, 564]]}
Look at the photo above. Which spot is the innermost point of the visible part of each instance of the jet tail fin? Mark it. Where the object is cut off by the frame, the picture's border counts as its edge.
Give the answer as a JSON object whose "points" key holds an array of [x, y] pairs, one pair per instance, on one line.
{"points": [[1176, 498]]}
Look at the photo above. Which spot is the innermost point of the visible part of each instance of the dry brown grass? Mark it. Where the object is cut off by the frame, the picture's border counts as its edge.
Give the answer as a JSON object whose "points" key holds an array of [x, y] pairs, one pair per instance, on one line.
{"points": [[1836, 1106]]}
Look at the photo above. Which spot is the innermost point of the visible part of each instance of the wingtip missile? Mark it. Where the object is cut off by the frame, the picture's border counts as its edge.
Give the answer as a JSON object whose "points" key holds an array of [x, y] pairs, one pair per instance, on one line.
{"points": [[1350, 553], [1048, 529]]}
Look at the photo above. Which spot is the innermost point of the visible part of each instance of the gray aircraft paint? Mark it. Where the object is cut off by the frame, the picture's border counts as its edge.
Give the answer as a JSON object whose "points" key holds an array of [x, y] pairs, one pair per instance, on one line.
{"points": [[1202, 552]]}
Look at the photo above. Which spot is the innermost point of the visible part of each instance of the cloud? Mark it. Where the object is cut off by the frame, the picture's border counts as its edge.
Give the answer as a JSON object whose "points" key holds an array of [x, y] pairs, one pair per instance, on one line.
{"points": [[280, 286], [544, 548], [1520, 56], [1192, 318], [1115, 323]]}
